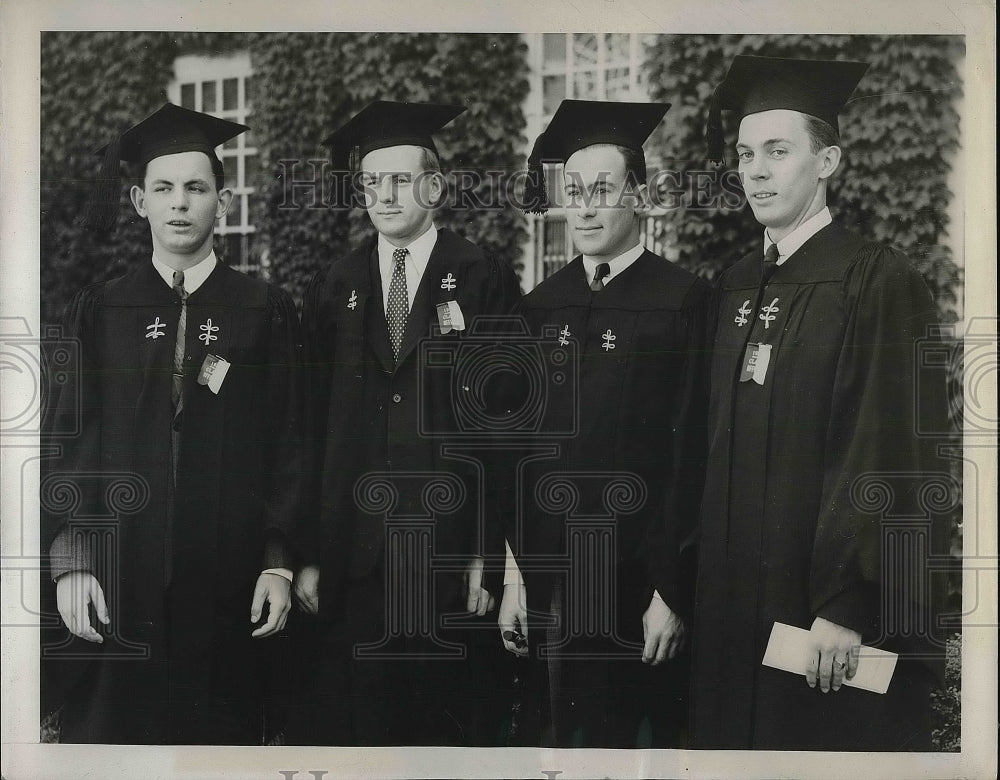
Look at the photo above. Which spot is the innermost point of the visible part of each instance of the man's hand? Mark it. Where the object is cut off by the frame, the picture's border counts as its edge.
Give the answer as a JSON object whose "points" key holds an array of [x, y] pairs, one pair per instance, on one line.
{"points": [[75, 592], [662, 631], [477, 598], [277, 592], [835, 650], [307, 589], [513, 619]]}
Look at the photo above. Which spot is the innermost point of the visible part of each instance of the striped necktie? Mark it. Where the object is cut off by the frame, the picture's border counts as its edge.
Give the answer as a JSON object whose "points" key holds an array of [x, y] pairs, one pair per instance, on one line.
{"points": [[178, 376]]}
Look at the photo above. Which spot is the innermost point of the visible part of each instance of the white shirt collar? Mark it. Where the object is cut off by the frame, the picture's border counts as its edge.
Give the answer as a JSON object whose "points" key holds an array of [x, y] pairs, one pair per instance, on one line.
{"points": [[790, 243], [194, 277], [618, 264], [420, 248], [416, 261]]}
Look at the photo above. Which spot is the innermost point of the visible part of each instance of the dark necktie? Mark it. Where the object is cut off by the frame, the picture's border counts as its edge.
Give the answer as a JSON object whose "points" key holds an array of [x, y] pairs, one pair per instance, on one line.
{"points": [[603, 269], [397, 308], [178, 377], [770, 262]]}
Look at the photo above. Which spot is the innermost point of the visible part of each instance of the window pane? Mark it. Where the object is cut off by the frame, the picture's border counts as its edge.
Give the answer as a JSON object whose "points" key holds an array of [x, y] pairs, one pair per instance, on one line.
{"points": [[554, 50], [230, 94], [616, 84], [249, 84], [229, 166], [618, 47], [251, 171], [554, 246], [208, 96], [234, 250], [187, 96], [235, 215], [584, 50], [555, 238], [553, 91], [585, 85], [249, 258]]}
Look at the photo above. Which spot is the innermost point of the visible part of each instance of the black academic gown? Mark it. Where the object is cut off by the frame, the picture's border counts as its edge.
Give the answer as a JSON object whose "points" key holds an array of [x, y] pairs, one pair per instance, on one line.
{"points": [[814, 490], [178, 562], [395, 518], [604, 515]]}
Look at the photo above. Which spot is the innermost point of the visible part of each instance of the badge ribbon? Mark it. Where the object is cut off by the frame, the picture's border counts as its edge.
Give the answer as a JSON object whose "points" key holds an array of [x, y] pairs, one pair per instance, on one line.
{"points": [[213, 372], [755, 363], [450, 316]]}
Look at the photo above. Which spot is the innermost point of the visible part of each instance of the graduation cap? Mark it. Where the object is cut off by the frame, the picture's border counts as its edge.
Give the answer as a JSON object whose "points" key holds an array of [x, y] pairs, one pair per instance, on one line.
{"points": [[578, 124], [381, 124], [819, 88], [386, 123], [168, 130]]}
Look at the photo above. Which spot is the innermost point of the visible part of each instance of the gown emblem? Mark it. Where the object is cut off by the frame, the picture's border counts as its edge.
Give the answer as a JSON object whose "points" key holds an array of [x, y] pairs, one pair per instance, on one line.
{"points": [[155, 329], [208, 332]]}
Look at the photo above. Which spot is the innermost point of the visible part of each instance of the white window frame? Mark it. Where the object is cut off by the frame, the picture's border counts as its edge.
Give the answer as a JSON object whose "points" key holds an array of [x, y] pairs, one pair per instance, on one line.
{"points": [[196, 69]]}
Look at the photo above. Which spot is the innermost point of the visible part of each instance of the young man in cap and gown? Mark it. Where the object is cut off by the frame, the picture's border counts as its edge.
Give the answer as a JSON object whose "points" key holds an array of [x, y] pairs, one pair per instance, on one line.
{"points": [[601, 599], [396, 522], [168, 516], [814, 380]]}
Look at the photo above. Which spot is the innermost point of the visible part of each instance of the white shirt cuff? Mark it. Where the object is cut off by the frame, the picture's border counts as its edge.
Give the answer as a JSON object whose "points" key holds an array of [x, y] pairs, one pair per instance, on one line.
{"points": [[286, 573], [656, 595], [511, 574]]}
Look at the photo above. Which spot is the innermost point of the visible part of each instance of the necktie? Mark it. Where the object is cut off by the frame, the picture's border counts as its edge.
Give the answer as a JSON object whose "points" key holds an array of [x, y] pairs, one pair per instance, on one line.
{"points": [[770, 262], [603, 269], [178, 377], [397, 308]]}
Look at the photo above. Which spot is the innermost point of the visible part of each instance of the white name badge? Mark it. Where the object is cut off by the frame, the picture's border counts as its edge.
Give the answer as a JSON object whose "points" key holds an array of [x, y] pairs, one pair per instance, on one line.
{"points": [[755, 363], [213, 372], [450, 316]]}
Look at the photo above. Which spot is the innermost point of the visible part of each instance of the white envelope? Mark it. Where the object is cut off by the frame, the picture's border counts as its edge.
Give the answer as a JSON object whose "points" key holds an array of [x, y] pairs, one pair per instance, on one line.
{"points": [[788, 649]]}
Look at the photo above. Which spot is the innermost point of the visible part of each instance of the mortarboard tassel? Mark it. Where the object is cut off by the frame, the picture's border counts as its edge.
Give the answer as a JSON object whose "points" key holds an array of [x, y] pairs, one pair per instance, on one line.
{"points": [[714, 135], [102, 209], [536, 199]]}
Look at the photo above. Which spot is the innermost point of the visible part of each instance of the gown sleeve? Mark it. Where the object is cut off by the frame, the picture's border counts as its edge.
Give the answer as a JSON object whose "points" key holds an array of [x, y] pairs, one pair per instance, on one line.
{"points": [[284, 469], [71, 429], [670, 560], [317, 374], [874, 449], [503, 299]]}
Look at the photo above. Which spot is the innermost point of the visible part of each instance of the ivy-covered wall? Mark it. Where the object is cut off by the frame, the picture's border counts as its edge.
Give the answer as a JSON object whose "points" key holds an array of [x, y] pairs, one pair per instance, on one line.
{"points": [[308, 84], [87, 95], [899, 132]]}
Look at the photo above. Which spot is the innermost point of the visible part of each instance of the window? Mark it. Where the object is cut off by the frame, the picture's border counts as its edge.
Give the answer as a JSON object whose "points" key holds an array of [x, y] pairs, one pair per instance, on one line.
{"points": [[590, 66], [223, 87]]}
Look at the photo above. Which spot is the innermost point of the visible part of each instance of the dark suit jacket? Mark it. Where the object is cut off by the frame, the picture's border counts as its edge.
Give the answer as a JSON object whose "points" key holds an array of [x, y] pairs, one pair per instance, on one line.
{"points": [[378, 425]]}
